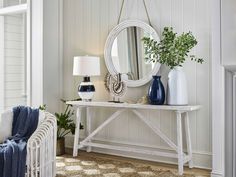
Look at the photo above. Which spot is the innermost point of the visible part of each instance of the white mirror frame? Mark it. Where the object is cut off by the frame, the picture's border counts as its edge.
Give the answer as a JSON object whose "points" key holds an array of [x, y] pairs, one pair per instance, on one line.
{"points": [[108, 47]]}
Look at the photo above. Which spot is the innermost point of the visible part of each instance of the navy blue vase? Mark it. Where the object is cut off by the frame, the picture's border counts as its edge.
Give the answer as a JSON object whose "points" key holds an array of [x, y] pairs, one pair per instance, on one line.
{"points": [[156, 91]]}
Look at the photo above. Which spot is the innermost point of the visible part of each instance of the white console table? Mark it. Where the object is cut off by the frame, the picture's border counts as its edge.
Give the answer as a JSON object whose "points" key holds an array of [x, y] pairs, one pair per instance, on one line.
{"points": [[181, 113]]}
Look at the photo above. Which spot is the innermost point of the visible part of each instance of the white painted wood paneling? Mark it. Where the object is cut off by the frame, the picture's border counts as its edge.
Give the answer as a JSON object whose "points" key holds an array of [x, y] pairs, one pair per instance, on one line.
{"points": [[229, 125], [10, 2], [86, 26], [46, 66], [51, 55], [218, 93], [36, 44], [14, 51], [228, 25], [2, 63], [13, 61]]}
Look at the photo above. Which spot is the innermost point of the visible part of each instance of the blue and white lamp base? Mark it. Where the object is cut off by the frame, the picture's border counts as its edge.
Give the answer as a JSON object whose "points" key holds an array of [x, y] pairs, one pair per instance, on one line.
{"points": [[86, 90]]}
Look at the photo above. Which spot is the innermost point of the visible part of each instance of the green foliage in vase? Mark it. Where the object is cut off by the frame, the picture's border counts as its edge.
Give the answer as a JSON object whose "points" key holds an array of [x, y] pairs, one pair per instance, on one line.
{"points": [[42, 107], [65, 124], [172, 50]]}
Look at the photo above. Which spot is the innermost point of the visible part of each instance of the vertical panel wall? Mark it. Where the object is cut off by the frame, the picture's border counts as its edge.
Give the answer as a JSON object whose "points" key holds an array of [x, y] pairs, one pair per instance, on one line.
{"points": [[228, 33], [46, 59], [228, 39], [2, 101], [229, 125], [51, 55], [86, 27]]}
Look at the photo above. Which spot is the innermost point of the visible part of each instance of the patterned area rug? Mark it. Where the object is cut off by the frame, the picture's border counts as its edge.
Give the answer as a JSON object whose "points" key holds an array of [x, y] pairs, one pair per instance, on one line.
{"points": [[105, 167]]}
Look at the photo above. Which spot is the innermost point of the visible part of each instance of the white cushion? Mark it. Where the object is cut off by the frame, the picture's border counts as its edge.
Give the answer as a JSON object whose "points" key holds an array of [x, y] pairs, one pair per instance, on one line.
{"points": [[41, 117], [6, 120]]}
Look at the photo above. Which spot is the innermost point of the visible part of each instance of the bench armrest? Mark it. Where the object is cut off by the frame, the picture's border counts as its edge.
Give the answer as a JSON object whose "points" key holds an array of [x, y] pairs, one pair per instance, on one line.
{"points": [[41, 148]]}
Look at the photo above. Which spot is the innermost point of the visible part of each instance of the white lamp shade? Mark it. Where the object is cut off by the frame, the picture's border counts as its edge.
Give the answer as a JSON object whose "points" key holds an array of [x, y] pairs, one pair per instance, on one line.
{"points": [[86, 66]]}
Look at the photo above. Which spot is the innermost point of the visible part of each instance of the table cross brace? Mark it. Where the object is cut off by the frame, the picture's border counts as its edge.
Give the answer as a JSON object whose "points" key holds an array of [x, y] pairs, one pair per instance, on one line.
{"points": [[180, 155], [110, 119]]}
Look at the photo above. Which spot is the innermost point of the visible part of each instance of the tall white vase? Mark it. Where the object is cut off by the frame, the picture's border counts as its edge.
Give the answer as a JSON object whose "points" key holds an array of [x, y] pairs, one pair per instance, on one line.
{"points": [[177, 92]]}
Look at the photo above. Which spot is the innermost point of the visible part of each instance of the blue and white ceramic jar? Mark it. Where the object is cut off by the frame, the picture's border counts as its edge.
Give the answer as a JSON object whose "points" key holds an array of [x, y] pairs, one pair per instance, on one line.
{"points": [[156, 91], [86, 89]]}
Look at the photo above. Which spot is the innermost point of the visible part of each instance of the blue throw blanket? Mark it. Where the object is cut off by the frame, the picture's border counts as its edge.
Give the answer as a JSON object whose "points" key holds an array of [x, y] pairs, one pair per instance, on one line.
{"points": [[13, 150]]}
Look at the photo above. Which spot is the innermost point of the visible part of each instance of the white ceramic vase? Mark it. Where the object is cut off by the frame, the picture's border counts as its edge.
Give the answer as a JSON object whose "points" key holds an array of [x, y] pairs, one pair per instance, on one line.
{"points": [[177, 92]]}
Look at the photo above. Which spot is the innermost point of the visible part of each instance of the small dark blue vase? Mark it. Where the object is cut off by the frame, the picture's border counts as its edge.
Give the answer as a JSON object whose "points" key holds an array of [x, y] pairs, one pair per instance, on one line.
{"points": [[156, 91]]}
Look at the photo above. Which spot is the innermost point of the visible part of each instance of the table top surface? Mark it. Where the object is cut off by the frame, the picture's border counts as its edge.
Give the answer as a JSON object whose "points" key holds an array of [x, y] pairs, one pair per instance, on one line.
{"points": [[133, 106]]}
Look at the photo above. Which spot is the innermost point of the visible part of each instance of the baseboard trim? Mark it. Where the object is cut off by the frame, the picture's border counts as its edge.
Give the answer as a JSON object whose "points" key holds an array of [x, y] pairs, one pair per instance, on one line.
{"points": [[216, 174], [140, 157]]}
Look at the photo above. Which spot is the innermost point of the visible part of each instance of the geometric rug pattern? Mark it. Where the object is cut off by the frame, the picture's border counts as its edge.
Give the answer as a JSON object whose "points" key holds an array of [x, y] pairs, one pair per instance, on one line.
{"points": [[88, 166]]}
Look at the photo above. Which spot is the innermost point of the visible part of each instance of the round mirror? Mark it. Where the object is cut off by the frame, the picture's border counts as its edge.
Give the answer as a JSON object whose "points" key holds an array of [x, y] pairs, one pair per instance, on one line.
{"points": [[124, 52]]}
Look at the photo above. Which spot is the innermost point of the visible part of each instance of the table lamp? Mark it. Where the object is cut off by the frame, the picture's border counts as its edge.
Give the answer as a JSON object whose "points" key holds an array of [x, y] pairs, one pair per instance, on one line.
{"points": [[86, 66]]}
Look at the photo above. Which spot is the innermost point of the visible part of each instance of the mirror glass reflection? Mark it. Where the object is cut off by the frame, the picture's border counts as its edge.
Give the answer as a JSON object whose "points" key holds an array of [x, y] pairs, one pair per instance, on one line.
{"points": [[128, 54]]}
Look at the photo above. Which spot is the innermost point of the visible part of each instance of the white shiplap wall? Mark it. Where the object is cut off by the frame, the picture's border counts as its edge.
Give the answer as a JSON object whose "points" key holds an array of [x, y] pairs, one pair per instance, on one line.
{"points": [[12, 59], [86, 26], [1, 60]]}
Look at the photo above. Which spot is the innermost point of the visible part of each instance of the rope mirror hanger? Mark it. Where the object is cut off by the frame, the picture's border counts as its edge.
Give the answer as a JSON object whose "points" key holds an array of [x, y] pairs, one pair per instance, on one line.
{"points": [[122, 7]]}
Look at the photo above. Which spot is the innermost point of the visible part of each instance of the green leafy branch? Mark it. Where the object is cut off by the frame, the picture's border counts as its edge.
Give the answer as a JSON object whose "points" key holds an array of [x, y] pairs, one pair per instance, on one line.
{"points": [[65, 124], [172, 49]]}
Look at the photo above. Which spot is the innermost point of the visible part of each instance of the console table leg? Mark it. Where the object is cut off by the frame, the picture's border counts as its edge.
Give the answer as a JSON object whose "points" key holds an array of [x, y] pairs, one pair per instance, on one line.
{"points": [[88, 127], [188, 140], [77, 129], [180, 143]]}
